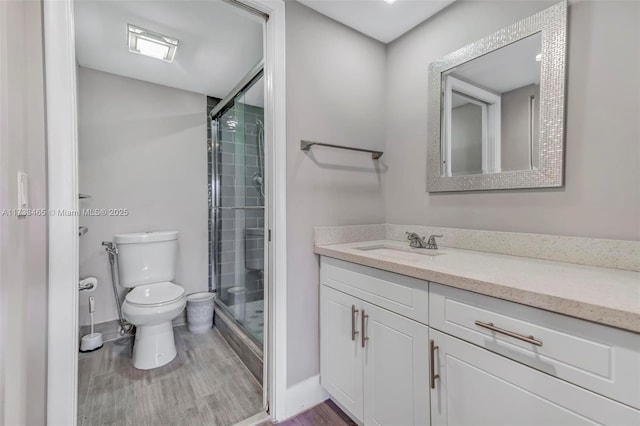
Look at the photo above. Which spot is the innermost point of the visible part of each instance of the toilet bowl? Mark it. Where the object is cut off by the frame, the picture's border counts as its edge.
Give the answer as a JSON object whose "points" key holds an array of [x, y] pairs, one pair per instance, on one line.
{"points": [[152, 308], [146, 265]]}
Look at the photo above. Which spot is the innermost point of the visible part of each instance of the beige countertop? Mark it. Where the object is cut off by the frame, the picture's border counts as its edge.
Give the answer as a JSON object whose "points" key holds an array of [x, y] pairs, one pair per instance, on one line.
{"points": [[602, 295]]}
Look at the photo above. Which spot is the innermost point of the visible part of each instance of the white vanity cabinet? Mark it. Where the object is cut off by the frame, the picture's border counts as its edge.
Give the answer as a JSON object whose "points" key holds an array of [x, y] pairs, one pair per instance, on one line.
{"points": [[395, 370], [373, 361], [477, 387], [396, 350], [341, 358], [602, 359]]}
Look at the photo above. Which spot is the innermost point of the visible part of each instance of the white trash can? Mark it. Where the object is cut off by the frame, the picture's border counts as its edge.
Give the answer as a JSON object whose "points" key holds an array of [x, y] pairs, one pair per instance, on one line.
{"points": [[200, 312]]}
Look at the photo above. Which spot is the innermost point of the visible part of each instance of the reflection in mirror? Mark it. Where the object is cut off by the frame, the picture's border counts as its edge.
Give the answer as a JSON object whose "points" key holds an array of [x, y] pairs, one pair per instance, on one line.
{"points": [[490, 111]]}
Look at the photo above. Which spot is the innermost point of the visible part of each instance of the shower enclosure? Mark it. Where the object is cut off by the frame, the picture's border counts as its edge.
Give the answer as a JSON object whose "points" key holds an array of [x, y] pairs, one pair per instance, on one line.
{"points": [[237, 208]]}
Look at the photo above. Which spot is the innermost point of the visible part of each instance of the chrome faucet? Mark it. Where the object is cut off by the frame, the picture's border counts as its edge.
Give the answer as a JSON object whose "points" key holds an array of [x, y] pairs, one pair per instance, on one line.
{"points": [[416, 241]]}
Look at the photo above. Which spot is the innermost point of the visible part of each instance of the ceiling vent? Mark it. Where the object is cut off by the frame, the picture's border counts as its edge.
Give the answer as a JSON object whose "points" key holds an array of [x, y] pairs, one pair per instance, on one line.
{"points": [[154, 45]]}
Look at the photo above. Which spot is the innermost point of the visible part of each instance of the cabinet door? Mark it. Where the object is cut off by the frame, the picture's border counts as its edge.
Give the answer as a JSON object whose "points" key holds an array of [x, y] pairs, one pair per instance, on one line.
{"points": [[340, 350], [396, 369], [478, 387]]}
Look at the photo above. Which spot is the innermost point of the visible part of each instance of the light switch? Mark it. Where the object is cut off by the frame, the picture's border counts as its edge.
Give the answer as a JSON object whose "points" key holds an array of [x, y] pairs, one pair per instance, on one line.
{"points": [[23, 193]]}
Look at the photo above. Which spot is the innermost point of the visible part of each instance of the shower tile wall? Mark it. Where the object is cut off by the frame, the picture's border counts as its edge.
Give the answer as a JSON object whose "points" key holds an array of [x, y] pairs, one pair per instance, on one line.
{"points": [[237, 256]]}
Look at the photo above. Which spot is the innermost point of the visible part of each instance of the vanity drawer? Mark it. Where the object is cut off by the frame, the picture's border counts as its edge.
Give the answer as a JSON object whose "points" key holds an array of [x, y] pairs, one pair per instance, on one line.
{"points": [[603, 359], [398, 293]]}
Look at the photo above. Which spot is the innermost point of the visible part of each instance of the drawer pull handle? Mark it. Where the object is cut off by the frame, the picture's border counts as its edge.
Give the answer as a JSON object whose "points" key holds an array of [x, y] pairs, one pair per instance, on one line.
{"points": [[432, 364], [528, 339], [364, 330], [354, 312]]}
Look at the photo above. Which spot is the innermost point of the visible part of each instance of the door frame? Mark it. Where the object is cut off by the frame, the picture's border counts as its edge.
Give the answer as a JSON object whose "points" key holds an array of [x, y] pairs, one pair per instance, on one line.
{"points": [[491, 106], [62, 177]]}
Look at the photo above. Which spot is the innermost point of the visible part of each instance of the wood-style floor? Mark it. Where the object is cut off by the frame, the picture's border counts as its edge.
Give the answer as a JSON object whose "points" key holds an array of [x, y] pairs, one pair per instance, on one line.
{"points": [[326, 413], [206, 384]]}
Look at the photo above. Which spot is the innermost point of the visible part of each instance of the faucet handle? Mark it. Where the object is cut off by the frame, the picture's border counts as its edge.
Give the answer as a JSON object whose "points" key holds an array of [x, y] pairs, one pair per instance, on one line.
{"points": [[431, 242]]}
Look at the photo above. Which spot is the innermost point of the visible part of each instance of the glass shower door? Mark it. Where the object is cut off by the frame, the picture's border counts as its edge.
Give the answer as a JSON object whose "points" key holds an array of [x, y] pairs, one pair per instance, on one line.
{"points": [[238, 217]]}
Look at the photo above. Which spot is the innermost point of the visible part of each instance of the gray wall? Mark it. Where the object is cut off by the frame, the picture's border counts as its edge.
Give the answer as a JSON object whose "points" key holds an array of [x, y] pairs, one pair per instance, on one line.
{"points": [[143, 147], [516, 147], [23, 255], [601, 197], [335, 94], [466, 139]]}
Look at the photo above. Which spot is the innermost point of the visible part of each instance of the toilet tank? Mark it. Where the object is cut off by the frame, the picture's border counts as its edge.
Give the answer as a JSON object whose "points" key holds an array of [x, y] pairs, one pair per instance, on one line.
{"points": [[146, 257]]}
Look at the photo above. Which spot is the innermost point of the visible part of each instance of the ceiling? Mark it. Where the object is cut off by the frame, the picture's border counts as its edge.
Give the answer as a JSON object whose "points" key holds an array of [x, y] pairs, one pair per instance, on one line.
{"points": [[218, 43], [377, 19], [505, 69]]}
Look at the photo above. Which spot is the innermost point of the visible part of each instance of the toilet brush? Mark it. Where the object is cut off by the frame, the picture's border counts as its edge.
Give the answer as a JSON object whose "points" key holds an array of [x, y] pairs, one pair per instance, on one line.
{"points": [[92, 341]]}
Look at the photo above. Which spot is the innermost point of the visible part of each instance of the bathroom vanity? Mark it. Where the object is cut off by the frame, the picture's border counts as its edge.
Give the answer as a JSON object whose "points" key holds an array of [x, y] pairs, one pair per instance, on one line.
{"points": [[450, 336]]}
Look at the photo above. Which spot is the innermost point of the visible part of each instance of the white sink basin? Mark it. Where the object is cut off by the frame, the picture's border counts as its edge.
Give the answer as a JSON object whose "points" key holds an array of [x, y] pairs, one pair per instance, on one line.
{"points": [[395, 251]]}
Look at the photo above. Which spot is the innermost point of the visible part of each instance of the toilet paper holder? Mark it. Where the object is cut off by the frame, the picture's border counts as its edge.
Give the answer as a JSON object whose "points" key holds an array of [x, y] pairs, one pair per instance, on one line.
{"points": [[88, 284]]}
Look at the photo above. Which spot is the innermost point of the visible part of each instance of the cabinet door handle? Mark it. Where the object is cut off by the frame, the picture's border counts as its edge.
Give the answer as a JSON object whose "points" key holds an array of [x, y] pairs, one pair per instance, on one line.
{"points": [[528, 339], [354, 312], [432, 364], [363, 329]]}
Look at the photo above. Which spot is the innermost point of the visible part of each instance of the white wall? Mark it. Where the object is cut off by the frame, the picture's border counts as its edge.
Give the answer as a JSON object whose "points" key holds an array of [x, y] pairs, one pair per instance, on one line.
{"points": [[601, 197], [23, 268], [335, 94], [142, 147]]}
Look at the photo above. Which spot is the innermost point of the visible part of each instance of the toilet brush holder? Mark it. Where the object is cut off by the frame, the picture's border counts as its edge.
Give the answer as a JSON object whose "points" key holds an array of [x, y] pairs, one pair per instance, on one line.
{"points": [[92, 341]]}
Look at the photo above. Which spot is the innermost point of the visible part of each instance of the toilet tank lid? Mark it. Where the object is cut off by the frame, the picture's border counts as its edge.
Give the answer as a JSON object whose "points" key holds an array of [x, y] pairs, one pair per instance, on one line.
{"points": [[145, 237]]}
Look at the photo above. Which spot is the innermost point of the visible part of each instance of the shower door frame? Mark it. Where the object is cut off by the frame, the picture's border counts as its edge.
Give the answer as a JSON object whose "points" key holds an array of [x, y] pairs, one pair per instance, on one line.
{"points": [[215, 205], [62, 180]]}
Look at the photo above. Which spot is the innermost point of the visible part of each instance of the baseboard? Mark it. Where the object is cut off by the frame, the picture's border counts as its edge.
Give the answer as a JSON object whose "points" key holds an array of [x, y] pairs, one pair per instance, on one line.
{"points": [[304, 395], [111, 329], [262, 418]]}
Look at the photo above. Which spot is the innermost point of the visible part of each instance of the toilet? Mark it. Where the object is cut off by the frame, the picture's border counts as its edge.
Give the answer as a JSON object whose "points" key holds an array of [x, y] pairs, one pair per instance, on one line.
{"points": [[146, 265]]}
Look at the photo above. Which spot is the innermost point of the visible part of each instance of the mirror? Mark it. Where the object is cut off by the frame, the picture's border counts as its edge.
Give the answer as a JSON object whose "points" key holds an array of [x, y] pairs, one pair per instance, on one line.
{"points": [[490, 109], [486, 104]]}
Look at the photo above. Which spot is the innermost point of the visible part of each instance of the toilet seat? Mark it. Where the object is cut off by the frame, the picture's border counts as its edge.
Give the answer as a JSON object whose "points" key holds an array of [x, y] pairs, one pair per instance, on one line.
{"points": [[155, 295]]}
